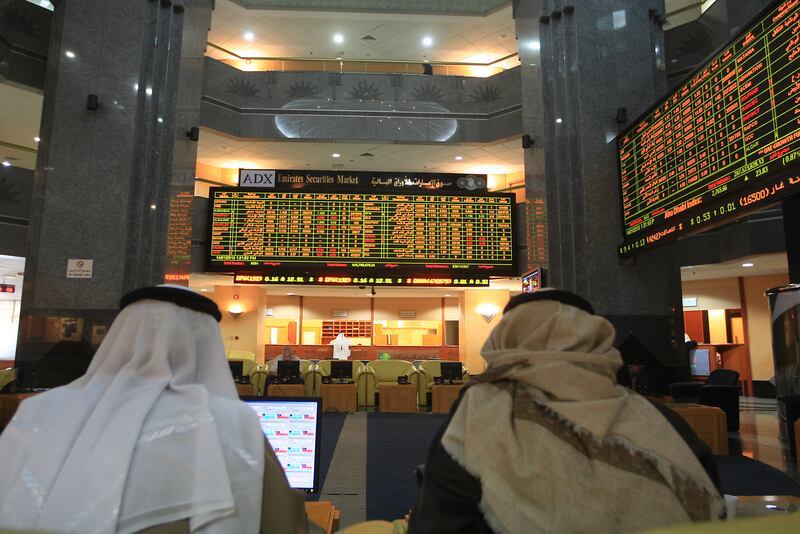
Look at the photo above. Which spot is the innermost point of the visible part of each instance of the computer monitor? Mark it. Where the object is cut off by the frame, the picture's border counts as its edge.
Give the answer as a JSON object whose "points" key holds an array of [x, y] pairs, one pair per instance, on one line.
{"points": [[342, 370], [237, 368], [451, 371], [292, 428], [700, 362], [288, 370], [532, 281]]}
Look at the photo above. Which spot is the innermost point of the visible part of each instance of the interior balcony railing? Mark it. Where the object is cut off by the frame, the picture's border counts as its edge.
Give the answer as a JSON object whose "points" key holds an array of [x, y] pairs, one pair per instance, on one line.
{"points": [[341, 65]]}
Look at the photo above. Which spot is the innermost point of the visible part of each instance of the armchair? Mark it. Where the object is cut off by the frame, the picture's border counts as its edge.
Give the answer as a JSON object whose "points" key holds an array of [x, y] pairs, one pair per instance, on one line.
{"points": [[690, 391], [428, 370], [386, 372], [323, 368]]}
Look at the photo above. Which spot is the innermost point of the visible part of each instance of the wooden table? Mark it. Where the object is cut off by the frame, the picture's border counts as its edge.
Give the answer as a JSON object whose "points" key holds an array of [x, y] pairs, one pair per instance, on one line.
{"points": [[398, 398], [443, 396], [323, 514], [8, 406], [338, 397], [286, 390], [245, 390], [708, 422]]}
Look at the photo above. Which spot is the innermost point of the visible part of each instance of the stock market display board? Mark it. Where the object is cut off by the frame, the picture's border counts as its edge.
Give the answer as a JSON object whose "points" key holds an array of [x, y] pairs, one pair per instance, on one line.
{"points": [[724, 143], [355, 236]]}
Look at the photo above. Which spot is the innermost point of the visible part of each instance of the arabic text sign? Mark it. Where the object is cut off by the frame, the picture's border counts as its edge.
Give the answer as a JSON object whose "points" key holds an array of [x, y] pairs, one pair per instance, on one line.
{"points": [[79, 268]]}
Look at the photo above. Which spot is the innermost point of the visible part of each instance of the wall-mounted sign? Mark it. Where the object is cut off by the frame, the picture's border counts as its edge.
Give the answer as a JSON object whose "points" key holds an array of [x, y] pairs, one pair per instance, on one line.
{"points": [[383, 281], [7, 288], [724, 143], [357, 236], [79, 268], [689, 302], [362, 180], [256, 178]]}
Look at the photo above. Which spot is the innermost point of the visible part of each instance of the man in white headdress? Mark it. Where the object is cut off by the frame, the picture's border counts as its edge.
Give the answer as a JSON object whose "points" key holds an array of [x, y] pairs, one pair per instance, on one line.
{"points": [[153, 435], [341, 347]]}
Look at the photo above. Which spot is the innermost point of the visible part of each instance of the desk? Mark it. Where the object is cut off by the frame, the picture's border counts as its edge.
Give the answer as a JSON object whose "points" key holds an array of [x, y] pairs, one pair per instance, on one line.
{"points": [[398, 398], [286, 390], [245, 390], [338, 397], [443, 396], [9, 405], [324, 515], [708, 422]]}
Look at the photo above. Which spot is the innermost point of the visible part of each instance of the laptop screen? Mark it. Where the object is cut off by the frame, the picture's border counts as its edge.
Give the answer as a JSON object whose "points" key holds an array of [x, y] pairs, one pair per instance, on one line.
{"points": [[292, 428]]}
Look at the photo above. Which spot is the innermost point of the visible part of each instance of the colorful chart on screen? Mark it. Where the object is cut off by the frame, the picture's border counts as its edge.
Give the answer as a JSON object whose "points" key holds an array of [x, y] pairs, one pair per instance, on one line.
{"points": [[725, 143], [357, 237]]}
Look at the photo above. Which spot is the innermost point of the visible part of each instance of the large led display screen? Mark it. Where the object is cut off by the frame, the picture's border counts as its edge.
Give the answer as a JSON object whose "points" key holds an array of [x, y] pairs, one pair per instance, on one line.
{"points": [[359, 237], [724, 143]]}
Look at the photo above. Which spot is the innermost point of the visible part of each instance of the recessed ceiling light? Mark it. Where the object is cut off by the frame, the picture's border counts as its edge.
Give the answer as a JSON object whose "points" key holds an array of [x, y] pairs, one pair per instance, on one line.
{"points": [[338, 38], [203, 290], [6, 163], [447, 294], [336, 155], [148, 91], [427, 41], [152, 206], [747, 264], [249, 36], [290, 294], [36, 139], [559, 121], [70, 54], [160, 119], [458, 158]]}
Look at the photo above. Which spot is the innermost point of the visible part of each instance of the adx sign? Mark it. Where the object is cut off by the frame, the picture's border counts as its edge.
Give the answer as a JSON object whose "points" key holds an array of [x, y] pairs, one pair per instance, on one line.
{"points": [[256, 178]]}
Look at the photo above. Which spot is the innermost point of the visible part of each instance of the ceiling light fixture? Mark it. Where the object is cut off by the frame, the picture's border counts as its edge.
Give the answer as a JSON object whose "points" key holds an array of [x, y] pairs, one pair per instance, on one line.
{"points": [[338, 38], [748, 264], [6, 163], [427, 41], [70, 54], [290, 294], [249, 36], [336, 155], [203, 289], [36, 139], [458, 158], [559, 120]]}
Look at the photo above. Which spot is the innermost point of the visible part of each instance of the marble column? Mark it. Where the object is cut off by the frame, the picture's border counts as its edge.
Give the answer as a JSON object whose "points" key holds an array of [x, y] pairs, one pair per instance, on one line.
{"points": [[105, 176], [581, 61]]}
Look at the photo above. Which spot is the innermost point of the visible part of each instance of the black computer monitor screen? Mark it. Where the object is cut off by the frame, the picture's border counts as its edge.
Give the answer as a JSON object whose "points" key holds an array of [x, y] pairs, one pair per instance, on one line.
{"points": [[451, 371], [237, 368], [288, 369], [342, 370], [292, 428], [700, 362]]}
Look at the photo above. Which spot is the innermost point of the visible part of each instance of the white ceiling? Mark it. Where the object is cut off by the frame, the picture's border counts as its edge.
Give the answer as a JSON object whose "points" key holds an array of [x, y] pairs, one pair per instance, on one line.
{"points": [[763, 264], [220, 150], [11, 267], [397, 36], [20, 116]]}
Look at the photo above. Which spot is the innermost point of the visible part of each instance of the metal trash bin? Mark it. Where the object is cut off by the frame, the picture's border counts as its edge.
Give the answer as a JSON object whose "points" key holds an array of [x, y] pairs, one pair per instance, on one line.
{"points": [[784, 305]]}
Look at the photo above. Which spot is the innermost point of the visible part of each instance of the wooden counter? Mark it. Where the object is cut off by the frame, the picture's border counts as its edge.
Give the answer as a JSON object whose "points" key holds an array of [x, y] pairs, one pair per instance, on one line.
{"points": [[286, 390], [398, 398], [338, 397], [708, 422], [443, 396], [8, 406], [323, 514]]}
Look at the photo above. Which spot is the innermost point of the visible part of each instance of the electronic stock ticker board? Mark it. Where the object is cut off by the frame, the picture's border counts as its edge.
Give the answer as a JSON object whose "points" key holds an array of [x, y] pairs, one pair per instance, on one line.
{"points": [[375, 238], [725, 142]]}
